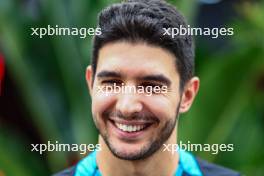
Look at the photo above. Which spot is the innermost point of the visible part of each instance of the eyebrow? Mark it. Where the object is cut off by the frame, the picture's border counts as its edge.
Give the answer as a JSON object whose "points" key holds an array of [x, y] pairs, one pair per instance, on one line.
{"points": [[105, 73], [158, 78]]}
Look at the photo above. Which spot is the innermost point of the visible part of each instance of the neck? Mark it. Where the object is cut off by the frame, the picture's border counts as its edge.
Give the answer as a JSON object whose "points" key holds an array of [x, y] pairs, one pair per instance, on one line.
{"points": [[164, 162]]}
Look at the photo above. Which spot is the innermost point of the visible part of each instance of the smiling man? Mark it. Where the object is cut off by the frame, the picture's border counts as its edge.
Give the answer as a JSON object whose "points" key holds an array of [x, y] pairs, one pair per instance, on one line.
{"points": [[133, 51]]}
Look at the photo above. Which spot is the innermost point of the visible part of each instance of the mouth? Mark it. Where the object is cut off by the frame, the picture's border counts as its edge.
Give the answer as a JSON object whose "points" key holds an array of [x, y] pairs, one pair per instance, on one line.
{"points": [[130, 129]]}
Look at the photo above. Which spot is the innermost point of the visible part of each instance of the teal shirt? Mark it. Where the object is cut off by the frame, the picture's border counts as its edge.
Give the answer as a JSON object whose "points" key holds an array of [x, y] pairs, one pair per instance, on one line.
{"points": [[187, 164]]}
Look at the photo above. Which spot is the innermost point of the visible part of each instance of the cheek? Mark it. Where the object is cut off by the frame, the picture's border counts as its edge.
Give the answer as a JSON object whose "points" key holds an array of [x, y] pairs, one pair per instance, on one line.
{"points": [[163, 107], [101, 102]]}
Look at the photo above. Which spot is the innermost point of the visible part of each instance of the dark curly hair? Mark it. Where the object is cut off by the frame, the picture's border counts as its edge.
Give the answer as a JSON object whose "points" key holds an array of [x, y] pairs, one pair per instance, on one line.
{"points": [[144, 21]]}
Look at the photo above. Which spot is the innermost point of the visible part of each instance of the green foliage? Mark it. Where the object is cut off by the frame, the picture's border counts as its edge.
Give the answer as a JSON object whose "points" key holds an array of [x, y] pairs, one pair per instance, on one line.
{"points": [[229, 106]]}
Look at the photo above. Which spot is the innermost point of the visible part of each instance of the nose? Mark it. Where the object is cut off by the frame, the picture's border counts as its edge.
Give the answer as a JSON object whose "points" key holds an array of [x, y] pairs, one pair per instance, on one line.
{"points": [[129, 104]]}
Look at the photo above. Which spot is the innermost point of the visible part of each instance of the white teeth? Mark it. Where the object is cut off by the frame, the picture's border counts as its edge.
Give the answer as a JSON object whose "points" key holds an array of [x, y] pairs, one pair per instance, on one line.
{"points": [[129, 128]]}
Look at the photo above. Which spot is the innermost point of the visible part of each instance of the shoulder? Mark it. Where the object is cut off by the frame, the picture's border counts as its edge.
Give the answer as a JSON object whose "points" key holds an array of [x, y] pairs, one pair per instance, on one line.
{"points": [[87, 166], [67, 172], [209, 169]]}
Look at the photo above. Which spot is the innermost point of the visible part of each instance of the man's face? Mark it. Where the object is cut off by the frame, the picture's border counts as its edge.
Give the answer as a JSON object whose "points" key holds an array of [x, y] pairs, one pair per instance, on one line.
{"points": [[135, 125]]}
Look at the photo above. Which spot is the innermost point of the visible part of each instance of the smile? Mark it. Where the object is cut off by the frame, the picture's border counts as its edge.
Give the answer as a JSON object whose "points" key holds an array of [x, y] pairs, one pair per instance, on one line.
{"points": [[129, 128]]}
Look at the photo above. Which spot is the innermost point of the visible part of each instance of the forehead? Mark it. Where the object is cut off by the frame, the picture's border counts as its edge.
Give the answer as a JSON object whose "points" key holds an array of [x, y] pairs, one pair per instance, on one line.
{"points": [[136, 59]]}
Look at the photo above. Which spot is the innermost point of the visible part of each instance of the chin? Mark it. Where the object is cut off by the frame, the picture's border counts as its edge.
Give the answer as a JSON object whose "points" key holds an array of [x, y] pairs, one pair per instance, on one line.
{"points": [[129, 151]]}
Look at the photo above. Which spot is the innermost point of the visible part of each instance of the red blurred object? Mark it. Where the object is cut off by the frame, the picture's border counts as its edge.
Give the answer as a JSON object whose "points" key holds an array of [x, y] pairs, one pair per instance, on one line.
{"points": [[2, 71]]}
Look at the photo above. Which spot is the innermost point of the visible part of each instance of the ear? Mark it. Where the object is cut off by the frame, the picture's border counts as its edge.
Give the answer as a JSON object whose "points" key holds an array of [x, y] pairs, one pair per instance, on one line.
{"points": [[89, 78], [190, 91]]}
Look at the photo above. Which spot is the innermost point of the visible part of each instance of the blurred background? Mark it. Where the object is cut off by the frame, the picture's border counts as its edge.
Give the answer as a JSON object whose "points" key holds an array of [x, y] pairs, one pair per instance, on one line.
{"points": [[44, 95]]}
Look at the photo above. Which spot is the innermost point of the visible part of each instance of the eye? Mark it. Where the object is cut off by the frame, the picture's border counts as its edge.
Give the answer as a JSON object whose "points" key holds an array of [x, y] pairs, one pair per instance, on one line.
{"points": [[152, 88], [151, 84]]}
